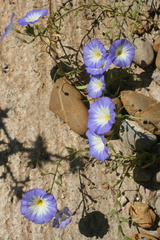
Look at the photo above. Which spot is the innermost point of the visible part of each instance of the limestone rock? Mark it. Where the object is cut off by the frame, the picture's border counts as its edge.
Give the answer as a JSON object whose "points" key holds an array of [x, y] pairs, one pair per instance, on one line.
{"points": [[66, 102], [156, 76], [135, 137], [144, 107], [144, 54], [142, 215], [139, 236]]}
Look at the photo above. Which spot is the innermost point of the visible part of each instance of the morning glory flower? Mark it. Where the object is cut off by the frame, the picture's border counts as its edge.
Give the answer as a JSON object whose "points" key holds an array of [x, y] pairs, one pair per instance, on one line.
{"points": [[106, 62], [101, 115], [10, 28], [96, 86], [62, 218], [97, 146], [93, 53], [33, 16], [121, 53], [38, 206]]}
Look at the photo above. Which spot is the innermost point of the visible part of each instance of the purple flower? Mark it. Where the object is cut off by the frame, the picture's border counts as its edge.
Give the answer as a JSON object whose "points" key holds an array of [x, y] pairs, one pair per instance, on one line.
{"points": [[101, 115], [96, 86], [106, 61], [33, 16], [97, 146], [38, 206], [121, 53], [10, 28], [93, 53], [62, 218]]}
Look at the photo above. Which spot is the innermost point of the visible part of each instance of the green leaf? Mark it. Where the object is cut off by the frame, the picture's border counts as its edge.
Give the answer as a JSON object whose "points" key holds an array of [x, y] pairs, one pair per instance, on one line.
{"points": [[124, 219], [76, 13], [111, 147], [127, 238], [119, 194], [22, 40], [31, 41], [119, 229], [112, 211], [119, 204], [118, 181], [66, 9], [71, 149], [59, 72], [56, 182], [82, 87]]}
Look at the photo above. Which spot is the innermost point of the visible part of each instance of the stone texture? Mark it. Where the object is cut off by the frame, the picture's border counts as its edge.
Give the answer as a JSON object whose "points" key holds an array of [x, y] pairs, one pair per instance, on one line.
{"points": [[140, 174], [66, 102], [156, 45], [135, 137], [158, 60], [156, 76], [144, 107], [144, 54], [139, 236], [142, 215], [157, 205]]}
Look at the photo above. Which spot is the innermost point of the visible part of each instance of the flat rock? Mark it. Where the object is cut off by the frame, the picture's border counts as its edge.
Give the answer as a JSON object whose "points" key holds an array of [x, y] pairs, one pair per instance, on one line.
{"points": [[158, 59], [141, 175], [154, 91], [140, 236], [136, 137], [66, 102], [144, 54], [138, 105], [142, 215]]}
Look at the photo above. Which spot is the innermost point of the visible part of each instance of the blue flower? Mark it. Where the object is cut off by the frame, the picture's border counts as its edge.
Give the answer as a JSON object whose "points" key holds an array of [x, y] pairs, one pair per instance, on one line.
{"points": [[10, 28], [33, 16], [38, 206], [62, 218], [101, 115], [97, 146], [121, 53], [106, 61], [93, 53], [96, 86]]}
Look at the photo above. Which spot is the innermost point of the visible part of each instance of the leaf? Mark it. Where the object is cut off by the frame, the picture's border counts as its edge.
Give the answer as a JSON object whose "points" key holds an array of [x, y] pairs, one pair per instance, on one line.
{"points": [[112, 211], [66, 9], [118, 181], [59, 72], [76, 13], [31, 41], [119, 229], [22, 40], [127, 238], [71, 149], [82, 87], [119, 194], [119, 204], [56, 182], [111, 147], [124, 219]]}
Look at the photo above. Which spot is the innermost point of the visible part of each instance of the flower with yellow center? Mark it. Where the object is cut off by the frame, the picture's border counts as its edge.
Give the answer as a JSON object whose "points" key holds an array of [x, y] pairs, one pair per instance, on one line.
{"points": [[101, 115], [96, 86], [93, 53], [121, 53], [38, 206]]}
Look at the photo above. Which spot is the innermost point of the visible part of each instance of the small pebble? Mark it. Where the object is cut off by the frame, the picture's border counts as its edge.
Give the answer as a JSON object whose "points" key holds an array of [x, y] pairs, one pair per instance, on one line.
{"points": [[123, 201], [4, 65]]}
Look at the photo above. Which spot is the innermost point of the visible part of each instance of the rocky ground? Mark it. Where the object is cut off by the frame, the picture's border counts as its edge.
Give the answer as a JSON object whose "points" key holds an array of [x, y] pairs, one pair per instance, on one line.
{"points": [[32, 136]]}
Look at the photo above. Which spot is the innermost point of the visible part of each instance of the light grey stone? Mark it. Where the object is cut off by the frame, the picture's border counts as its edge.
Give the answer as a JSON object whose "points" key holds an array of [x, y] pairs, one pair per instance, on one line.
{"points": [[156, 176], [157, 205], [127, 207], [135, 137], [123, 201], [156, 77], [144, 54], [4, 65]]}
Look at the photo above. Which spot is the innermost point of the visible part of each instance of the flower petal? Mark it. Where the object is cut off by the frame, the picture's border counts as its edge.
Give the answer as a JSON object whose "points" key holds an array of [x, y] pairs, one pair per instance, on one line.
{"points": [[33, 16], [106, 62], [97, 146], [10, 28], [96, 86], [101, 115], [121, 53]]}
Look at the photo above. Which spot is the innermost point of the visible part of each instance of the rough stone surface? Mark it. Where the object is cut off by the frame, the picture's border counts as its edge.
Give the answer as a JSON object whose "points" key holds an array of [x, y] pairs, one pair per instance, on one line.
{"points": [[135, 137], [144, 54], [142, 215], [158, 60]]}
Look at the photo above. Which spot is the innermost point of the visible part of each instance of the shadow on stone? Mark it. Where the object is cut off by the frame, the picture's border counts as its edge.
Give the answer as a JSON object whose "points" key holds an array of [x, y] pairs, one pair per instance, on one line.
{"points": [[94, 224]]}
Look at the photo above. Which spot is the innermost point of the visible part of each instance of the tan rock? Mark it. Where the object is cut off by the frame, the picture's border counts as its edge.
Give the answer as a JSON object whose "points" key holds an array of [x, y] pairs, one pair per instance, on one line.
{"points": [[139, 236], [66, 102], [156, 45], [158, 59], [158, 230], [142, 215], [138, 105], [137, 29]]}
